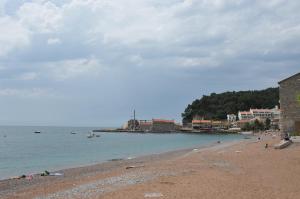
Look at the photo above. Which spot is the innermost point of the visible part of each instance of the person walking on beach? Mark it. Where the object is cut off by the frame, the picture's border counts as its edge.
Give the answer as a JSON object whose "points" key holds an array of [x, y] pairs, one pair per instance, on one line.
{"points": [[266, 146]]}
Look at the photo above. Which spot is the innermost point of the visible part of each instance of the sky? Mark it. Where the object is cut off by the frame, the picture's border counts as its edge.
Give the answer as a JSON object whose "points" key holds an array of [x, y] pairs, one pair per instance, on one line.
{"points": [[91, 62]]}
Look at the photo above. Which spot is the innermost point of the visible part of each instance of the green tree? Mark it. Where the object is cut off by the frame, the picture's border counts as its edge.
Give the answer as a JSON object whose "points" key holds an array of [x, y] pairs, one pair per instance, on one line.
{"points": [[217, 106], [258, 125], [247, 127], [268, 123]]}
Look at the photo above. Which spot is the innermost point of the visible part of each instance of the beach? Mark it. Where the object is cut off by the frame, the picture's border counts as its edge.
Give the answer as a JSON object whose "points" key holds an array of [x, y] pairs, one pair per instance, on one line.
{"points": [[55, 148], [238, 169]]}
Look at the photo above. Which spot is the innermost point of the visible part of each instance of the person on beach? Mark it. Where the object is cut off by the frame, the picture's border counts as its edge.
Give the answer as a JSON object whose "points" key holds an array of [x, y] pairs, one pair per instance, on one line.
{"points": [[286, 137]]}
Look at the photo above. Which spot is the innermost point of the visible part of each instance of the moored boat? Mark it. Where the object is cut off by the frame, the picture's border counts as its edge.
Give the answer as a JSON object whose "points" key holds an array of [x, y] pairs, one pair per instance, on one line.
{"points": [[91, 135]]}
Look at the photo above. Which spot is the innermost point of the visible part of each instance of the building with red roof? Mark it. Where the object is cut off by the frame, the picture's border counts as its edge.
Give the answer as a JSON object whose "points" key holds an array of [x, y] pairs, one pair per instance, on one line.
{"points": [[162, 125]]}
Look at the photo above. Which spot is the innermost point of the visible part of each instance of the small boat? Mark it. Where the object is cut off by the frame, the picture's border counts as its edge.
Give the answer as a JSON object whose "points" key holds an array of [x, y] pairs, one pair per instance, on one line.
{"points": [[37, 131], [73, 132], [91, 135]]}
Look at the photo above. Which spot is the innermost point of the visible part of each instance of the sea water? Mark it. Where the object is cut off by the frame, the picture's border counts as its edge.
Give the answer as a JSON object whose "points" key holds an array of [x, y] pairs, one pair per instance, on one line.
{"points": [[24, 152]]}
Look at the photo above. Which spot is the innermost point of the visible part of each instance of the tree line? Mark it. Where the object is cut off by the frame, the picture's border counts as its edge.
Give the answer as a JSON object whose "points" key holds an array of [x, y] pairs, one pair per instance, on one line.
{"points": [[217, 106]]}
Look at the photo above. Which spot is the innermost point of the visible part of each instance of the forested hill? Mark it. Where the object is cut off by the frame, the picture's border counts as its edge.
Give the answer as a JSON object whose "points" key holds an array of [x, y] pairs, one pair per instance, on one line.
{"points": [[217, 106]]}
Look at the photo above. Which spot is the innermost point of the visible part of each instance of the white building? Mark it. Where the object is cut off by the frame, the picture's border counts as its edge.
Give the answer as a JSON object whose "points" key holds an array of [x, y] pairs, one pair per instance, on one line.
{"points": [[276, 112], [231, 117], [261, 114]]}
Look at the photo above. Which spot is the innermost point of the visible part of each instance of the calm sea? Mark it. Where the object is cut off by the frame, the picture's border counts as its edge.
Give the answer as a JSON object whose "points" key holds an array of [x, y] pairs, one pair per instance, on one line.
{"points": [[24, 152]]}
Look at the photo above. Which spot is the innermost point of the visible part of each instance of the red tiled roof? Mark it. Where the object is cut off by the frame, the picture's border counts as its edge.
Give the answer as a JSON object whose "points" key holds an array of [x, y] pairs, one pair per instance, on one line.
{"points": [[261, 110]]}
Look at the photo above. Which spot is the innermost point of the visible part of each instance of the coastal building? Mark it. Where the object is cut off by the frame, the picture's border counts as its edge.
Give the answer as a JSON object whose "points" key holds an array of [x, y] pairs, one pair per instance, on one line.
{"points": [[219, 124], [275, 123], [187, 125], [245, 115], [132, 124], [289, 93], [145, 125], [154, 125], [262, 114], [201, 124], [162, 125], [231, 118], [276, 113], [275, 120], [209, 125]]}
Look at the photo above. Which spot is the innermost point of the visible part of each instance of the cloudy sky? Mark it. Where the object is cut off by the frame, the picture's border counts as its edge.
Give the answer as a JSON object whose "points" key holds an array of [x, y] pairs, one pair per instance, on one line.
{"points": [[91, 62]]}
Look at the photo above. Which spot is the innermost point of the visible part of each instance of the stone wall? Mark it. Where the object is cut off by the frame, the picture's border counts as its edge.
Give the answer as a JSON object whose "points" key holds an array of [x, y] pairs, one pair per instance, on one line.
{"points": [[163, 126], [289, 92], [145, 126]]}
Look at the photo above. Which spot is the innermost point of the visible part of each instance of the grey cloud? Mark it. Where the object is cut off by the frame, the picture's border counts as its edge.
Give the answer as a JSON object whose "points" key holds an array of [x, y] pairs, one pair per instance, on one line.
{"points": [[105, 57]]}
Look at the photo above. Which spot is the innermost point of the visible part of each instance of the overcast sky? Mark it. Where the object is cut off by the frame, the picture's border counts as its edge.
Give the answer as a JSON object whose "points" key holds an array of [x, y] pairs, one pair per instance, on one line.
{"points": [[91, 62]]}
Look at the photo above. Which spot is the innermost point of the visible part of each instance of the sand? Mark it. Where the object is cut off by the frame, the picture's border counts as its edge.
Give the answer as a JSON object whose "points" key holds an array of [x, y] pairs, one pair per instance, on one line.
{"points": [[244, 169]]}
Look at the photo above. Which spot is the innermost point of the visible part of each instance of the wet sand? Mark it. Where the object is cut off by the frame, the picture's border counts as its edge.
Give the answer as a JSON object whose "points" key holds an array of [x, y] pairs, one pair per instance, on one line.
{"points": [[242, 169]]}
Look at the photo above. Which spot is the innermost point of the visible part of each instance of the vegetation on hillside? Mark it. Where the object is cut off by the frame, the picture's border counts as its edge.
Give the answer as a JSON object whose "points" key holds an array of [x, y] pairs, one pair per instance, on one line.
{"points": [[217, 106]]}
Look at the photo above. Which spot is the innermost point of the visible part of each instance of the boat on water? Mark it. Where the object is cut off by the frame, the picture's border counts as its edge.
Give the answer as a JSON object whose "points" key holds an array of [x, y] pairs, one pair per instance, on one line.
{"points": [[72, 132], [37, 131], [91, 135]]}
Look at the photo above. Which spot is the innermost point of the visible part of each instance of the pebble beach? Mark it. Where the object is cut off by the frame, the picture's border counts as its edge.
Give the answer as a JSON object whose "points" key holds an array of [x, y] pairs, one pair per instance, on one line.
{"points": [[238, 169]]}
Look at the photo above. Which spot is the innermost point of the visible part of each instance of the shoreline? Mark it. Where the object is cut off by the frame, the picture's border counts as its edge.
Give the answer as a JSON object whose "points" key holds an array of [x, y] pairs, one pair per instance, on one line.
{"points": [[7, 186], [245, 168], [164, 153], [82, 165], [211, 132]]}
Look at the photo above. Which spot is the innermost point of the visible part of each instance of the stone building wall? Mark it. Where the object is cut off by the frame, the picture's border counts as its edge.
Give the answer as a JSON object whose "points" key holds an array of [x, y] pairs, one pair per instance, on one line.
{"points": [[289, 92], [163, 126], [145, 126]]}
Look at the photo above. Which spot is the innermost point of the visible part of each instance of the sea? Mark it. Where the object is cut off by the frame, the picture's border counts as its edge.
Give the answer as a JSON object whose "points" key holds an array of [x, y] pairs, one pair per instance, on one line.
{"points": [[24, 152]]}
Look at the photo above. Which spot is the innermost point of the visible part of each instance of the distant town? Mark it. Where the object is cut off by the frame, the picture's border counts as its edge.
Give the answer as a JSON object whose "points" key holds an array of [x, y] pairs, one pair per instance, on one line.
{"points": [[254, 119], [234, 123]]}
